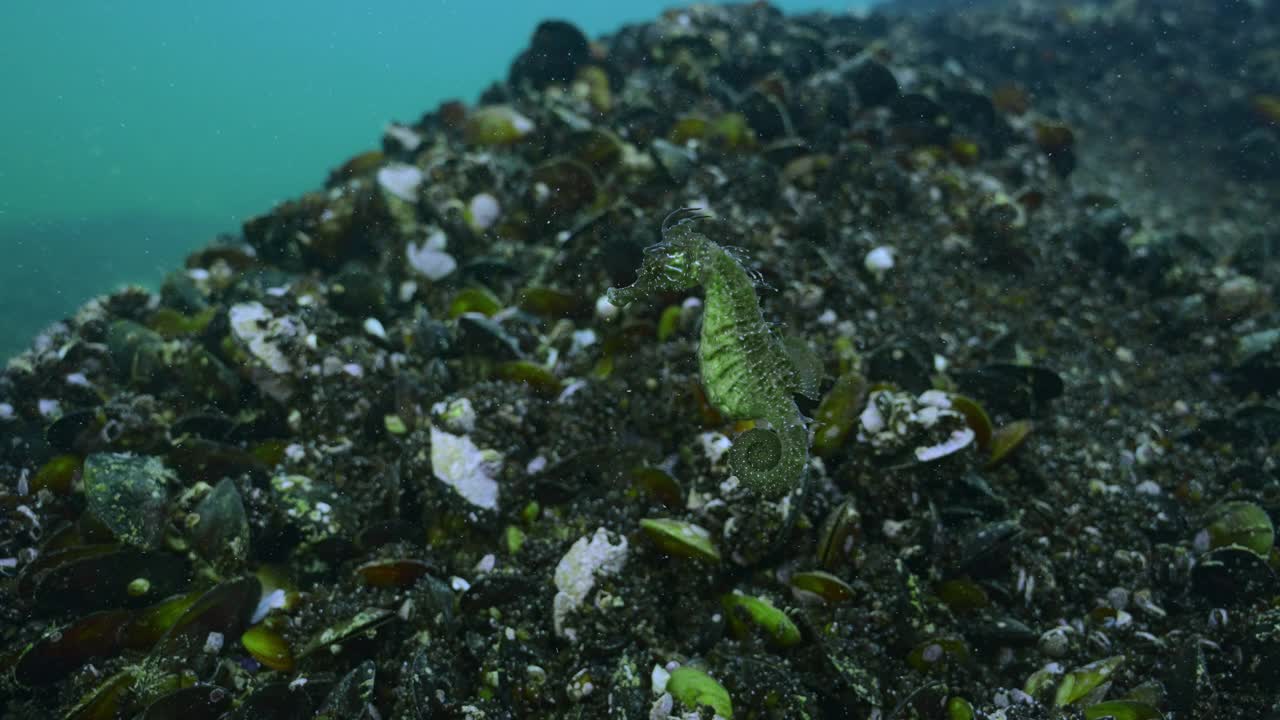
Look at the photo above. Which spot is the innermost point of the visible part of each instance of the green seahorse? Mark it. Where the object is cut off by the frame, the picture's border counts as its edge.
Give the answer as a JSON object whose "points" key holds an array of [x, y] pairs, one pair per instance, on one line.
{"points": [[747, 371]]}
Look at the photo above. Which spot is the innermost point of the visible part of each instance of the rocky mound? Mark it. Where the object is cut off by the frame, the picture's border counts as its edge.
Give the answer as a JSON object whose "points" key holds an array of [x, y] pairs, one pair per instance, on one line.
{"points": [[392, 452]]}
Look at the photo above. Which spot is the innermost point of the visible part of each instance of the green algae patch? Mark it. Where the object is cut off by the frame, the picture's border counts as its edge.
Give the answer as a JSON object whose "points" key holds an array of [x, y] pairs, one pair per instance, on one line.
{"points": [[127, 493]]}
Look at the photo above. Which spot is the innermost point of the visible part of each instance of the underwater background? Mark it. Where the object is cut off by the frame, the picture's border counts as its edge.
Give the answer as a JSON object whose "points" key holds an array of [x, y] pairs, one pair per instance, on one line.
{"points": [[136, 132], [568, 361]]}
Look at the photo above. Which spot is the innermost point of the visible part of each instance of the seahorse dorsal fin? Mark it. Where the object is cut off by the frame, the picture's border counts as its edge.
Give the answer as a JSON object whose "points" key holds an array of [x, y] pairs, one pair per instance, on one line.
{"points": [[806, 368]]}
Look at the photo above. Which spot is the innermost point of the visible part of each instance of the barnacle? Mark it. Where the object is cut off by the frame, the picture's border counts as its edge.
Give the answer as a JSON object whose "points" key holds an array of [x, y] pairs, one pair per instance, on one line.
{"points": [[747, 371]]}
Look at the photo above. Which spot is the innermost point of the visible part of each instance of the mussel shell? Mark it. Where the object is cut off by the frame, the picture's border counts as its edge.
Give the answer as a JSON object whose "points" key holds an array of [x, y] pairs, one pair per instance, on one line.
{"points": [[823, 584], [875, 83], [839, 535], [62, 588], [222, 534], [55, 553], [1232, 575], [226, 608], [1008, 438], [281, 701], [659, 485], [76, 431], [478, 335], [103, 702], [129, 494], [393, 573], [537, 377], [200, 460], [905, 364], [552, 302], [1001, 630], [62, 651], [361, 622], [237, 257], [682, 539], [495, 589], [353, 695], [430, 685], [211, 426], [266, 645], [984, 551], [572, 186], [766, 115], [676, 161], [136, 351], [201, 701], [918, 120], [1016, 390]]}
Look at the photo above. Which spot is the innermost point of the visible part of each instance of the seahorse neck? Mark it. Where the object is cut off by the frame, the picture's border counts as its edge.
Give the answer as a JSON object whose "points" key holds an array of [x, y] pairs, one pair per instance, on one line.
{"points": [[726, 280]]}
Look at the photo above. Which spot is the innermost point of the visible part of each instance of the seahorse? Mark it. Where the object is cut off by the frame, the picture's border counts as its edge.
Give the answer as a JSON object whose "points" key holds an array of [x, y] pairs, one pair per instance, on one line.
{"points": [[747, 371]]}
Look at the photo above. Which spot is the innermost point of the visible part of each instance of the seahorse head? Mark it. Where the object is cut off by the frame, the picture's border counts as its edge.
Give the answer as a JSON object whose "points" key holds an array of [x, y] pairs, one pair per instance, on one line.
{"points": [[676, 263]]}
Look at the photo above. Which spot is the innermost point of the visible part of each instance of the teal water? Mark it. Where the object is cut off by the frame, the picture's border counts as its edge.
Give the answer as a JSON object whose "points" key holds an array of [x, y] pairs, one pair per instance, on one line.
{"points": [[134, 132]]}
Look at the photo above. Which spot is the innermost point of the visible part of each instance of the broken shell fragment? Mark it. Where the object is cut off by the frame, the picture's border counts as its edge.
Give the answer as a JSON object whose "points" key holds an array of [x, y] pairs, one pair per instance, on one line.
{"points": [[401, 181], [457, 462], [429, 258]]}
